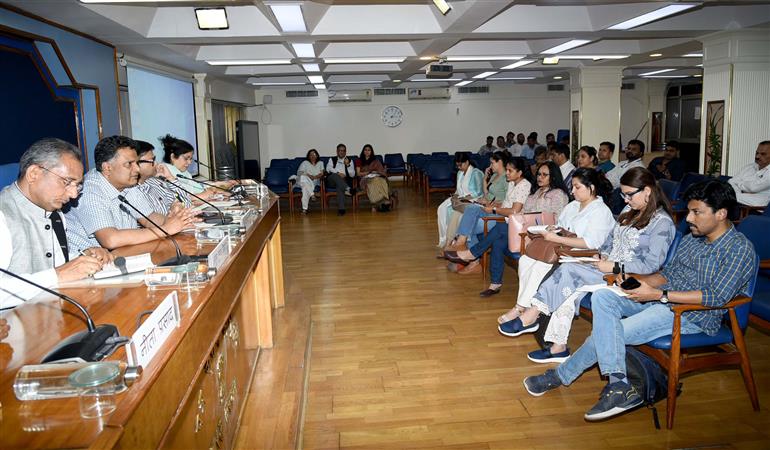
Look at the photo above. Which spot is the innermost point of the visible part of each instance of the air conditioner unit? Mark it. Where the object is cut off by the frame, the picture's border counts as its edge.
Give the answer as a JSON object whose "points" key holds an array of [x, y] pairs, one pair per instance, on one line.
{"points": [[428, 93], [361, 95]]}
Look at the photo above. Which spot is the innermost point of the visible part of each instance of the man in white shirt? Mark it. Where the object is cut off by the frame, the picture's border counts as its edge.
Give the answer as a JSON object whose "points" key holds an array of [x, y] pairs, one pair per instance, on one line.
{"points": [[634, 153], [341, 171], [560, 155], [501, 144], [752, 183], [488, 148], [517, 148]]}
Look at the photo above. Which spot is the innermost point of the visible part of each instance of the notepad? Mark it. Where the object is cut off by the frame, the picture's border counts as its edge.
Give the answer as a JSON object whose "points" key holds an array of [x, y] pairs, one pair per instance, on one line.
{"points": [[125, 265]]}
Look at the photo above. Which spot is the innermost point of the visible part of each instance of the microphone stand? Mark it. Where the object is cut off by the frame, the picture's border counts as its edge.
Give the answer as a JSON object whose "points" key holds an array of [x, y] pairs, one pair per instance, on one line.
{"points": [[180, 258], [93, 344], [223, 219]]}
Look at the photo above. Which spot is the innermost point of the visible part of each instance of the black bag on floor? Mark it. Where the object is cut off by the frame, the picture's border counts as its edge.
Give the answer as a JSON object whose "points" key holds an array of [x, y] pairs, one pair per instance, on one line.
{"points": [[649, 379]]}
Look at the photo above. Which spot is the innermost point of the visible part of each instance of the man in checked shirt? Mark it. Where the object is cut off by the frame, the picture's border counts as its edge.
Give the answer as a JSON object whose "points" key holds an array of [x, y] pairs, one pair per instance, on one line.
{"points": [[712, 265]]}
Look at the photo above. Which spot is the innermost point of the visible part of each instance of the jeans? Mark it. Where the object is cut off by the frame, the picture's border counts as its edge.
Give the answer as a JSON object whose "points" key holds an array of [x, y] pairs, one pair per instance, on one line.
{"points": [[611, 333], [471, 223], [497, 240], [336, 181]]}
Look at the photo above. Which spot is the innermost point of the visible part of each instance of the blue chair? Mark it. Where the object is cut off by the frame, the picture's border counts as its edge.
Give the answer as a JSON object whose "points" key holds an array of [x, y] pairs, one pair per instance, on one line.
{"points": [[394, 163], [277, 180], [755, 228], [439, 154], [688, 180], [669, 188], [439, 177], [8, 174], [728, 347]]}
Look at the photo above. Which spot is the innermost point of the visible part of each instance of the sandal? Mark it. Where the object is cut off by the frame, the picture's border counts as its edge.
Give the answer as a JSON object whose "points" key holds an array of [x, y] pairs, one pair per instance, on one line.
{"points": [[506, 318]]}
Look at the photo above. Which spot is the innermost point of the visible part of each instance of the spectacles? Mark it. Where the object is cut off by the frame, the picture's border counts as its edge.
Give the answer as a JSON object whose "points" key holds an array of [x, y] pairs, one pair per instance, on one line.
{"points": [[628, 195], [146, 161], [543, 174], [68, 182]]}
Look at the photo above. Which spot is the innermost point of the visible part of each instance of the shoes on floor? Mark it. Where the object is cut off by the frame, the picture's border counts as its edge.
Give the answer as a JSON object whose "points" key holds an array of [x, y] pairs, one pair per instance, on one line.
{"points": [[340, 212], [489, 292], [304, 212], [616, 398], [516, 328], [544, 356], [472, 268], [538, 385]]}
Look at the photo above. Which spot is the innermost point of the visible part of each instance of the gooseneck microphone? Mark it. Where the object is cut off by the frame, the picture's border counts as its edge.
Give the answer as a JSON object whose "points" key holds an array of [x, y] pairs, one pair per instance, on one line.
{"points": [[93, 344], [202, 182], [180, 257], [224, 220]]}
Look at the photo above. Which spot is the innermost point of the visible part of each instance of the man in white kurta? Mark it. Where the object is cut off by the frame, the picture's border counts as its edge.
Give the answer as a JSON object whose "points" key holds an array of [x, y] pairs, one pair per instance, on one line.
{"points": [[752, 183]]}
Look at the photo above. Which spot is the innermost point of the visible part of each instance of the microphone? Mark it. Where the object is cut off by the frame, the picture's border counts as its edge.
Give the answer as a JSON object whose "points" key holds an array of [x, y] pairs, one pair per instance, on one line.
{"points": [[196, 161], [93, 344], [202, 182], [180, 257], [224, 220]]}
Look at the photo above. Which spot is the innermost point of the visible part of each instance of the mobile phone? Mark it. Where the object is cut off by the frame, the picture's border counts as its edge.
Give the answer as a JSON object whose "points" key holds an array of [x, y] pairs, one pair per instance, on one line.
{"points": [[630, 283]]}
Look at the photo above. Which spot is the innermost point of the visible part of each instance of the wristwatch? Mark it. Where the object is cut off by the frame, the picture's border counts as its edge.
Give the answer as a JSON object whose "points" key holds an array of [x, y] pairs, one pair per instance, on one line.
{"points": [[664, 297]]}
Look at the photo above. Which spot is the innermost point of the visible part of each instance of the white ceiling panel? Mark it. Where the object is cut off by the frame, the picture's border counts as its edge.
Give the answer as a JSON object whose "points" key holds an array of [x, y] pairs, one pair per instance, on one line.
{"points": [[177, 22], [532, 18], [714, 18], [252, 51], [336, 68], [378, 19], [373, 49], [486, 47], [361, 77], [262, 70]]}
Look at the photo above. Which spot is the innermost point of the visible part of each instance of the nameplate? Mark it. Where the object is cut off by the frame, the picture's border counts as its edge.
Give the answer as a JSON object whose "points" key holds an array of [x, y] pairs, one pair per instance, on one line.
{"points": [[155, 330], [248, 219], [219, 255]]}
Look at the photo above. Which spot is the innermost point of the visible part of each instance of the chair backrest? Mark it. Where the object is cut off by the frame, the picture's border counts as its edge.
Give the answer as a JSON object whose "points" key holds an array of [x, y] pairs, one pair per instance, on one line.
{"points": [[411, 157], [688, 180], [670, 188], [674, 246], [8, 174], [280, 162], [440, 170], [325, 159], [276, 176], [294, 166], [742, 312], [380, 158], [394, 160], [439, 154]]}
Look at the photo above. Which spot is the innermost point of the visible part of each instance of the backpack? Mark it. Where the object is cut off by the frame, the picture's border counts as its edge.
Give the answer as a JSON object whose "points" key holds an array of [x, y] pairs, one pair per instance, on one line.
{"points": [[648, 378]]}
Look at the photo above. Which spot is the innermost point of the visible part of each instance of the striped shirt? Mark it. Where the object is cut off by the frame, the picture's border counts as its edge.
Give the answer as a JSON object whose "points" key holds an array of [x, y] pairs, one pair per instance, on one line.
{"points": [[98, 207], [162, 195], [720, 270]]}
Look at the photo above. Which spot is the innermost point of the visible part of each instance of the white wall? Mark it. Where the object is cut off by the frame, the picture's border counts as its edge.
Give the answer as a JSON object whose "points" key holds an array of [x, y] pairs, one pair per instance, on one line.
{"points": [[292, 126], [634, 109]]}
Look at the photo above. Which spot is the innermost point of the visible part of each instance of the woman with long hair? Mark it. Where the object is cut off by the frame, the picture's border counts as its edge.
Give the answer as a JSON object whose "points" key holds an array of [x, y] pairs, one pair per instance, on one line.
{"points": [[639, 243], [309, 174], [589, 218], [374, 179], [587, 157], [470, 181]]}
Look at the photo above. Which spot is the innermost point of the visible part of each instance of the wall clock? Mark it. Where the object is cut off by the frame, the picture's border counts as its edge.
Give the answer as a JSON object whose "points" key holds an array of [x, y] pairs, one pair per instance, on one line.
{"points": [[392, 116]]}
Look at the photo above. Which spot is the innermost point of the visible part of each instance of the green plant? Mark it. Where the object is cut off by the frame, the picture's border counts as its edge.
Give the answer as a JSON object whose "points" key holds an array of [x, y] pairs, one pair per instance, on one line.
{"points": [[714, 144]]}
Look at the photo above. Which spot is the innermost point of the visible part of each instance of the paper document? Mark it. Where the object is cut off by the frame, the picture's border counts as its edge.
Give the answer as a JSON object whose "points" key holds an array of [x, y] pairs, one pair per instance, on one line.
{"points": [[541, 229], [596, 287], [577, 259], [124, 265]]}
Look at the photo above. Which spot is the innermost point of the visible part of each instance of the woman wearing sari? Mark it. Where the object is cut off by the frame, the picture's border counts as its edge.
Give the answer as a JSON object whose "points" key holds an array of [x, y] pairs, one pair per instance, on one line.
{"points": [[373, 179]]}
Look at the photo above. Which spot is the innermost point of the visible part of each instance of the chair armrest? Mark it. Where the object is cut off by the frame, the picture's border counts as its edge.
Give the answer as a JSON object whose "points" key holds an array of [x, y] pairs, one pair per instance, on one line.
{"points": [[737, 301], [488, 219], [764, 264], [745, 210]]}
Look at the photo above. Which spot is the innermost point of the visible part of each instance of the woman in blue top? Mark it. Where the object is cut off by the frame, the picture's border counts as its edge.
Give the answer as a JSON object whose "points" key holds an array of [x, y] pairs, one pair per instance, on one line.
{"points": [[470, 182], [178, 155]]}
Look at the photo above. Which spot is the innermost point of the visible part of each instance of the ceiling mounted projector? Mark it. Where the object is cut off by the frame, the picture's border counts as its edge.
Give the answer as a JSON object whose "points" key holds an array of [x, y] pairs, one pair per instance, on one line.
{"points": [[438, 71]]}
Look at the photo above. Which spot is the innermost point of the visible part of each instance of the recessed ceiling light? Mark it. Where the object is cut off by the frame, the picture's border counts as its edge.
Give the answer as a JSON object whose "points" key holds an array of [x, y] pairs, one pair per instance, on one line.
{"points": [[311, 67], [693, 55], [551, 60], [593, 57], [510, 78], [211, 18], [394, 59], [248, 62], [697, 75], [355, 82], [442, 6], [281, 83], [396, 81], [699, 65], [304, 50], [520, 63], [484, 75], [565, 46], [655, 55], [316, 79], [464, 83], [655, 72], [289, 17], [484, 58], [651, 16], [320, 87], [427, 58], [557, 77]]}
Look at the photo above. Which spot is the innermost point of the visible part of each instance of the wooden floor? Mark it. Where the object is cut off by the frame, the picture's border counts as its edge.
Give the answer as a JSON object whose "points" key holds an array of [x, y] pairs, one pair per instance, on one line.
{"points": [[404, 354]]}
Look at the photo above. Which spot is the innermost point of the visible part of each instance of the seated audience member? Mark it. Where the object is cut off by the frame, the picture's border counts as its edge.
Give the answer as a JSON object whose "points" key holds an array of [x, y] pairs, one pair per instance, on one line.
{"points": [[549, 138], [510, 140], [374, 179], [564, 140], [178, 155], [589, 218], [639, 243], [560, 155], [501, 147], [470, 186], [668, 166], [634, 153], [712, 265], [752, 183], [586, 157], [472, 224], [528, 151], [488, 148], [606, 149], [340, 173], [100, 217], [309, 174], [161, 195], [33, 241], [541, 156], [549, 196], [520, 142]]}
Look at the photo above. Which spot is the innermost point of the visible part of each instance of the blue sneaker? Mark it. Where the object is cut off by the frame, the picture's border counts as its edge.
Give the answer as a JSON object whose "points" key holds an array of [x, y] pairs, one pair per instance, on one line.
{"points": [[616, 398], [515, 328], [540, 384], [544, 356]]}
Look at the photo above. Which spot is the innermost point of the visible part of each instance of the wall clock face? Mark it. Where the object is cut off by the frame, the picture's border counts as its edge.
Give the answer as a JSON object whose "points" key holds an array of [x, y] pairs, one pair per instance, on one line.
{"points": [[392, 116]]}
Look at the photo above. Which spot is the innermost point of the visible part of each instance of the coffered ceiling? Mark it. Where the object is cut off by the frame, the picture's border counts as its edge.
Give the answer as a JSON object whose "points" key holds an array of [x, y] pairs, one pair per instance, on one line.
{"points": [[358, 43]]}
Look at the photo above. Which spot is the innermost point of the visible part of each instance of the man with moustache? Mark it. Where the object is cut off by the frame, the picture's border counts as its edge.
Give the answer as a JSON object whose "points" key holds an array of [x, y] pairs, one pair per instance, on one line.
{"points": [[634, 153], [100, 218], [752, 183]]}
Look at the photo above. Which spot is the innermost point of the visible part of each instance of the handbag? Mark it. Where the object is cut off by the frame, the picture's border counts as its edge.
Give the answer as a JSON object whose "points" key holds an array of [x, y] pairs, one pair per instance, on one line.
{"points": [[518, 223], [459, 204], [545, 251]]}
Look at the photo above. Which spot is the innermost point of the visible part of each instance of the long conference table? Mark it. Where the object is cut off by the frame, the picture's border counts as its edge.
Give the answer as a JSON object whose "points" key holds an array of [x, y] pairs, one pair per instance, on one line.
{"points": [[192, 394]]}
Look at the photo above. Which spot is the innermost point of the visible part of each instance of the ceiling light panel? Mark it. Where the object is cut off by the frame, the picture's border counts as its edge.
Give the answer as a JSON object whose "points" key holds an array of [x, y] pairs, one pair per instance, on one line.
{"points": [[320, 87], [442, 6], [311, 67], [289, 17], [211, 18], [656, 72], [652, 16], [565, 46], [464, 83], [316, 79], [484, 58], [484, 75], [303, 50], [520, 63], [551, 60], [276, 83], [593, 57], [667, 76], [394, 59], [510, 78], [248, 62], [693, 55]]}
